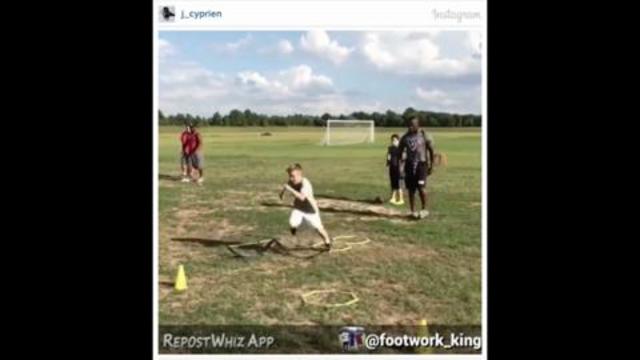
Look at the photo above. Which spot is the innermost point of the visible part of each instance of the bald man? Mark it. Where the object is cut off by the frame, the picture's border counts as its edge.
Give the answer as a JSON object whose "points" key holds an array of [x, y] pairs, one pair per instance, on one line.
{"points": [[418, 165]]}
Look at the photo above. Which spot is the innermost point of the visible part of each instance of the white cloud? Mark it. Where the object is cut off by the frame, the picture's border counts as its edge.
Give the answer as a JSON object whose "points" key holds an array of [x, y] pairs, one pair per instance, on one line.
{"points": [[413, 53], [165, 48], [235, 46], [293, 83], [319, 43], [187, 82], [252, 79], [285, 47], [302, 77], [282, 47], [442, 69], [257, 84], [461, 101], [190, 88], [475, 42], [434, 95]]}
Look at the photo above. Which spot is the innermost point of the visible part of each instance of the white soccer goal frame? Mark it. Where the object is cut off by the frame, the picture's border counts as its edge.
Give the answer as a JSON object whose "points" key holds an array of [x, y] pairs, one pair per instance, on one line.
{"points": [[327, 134]]}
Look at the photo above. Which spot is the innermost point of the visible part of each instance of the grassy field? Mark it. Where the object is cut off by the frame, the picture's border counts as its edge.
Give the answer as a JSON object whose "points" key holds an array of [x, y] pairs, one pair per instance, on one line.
{"points": [[410, 270]]}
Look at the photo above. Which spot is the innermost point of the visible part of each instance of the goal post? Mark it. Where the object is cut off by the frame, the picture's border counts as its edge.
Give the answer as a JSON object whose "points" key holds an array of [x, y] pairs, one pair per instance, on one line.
{"points": [[345, 132]]}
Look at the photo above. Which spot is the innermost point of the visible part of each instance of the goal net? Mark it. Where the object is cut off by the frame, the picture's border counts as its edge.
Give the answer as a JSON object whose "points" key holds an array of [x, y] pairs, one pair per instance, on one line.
{"points": [[344, 132]]}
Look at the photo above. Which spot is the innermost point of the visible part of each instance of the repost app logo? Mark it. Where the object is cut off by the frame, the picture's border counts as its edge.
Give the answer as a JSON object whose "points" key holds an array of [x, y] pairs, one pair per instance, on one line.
{"points": [[351, 338]]}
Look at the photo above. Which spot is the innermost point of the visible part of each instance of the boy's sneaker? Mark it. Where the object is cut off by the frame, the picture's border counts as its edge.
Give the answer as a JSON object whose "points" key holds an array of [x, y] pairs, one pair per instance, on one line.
{"points": [[415, 215], [393, 201], [200, 180], [186, 179], [401, 202], [424, 213]]}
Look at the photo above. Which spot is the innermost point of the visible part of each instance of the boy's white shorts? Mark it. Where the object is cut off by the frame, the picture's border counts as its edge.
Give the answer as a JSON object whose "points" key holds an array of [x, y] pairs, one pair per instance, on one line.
{"points": [[297, 216]]}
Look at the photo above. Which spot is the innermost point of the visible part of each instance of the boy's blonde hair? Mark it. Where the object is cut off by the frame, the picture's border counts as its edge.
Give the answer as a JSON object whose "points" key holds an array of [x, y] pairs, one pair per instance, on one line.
{"points": [[293, 167]]}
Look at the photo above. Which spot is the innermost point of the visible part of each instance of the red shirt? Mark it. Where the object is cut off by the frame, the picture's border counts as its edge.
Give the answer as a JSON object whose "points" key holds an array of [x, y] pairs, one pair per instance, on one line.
{"points": [[190, 142]]}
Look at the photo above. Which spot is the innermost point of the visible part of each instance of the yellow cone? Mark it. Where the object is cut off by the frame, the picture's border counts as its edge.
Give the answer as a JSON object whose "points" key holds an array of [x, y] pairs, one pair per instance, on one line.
{"points": [[423, 330], [181, 280]]}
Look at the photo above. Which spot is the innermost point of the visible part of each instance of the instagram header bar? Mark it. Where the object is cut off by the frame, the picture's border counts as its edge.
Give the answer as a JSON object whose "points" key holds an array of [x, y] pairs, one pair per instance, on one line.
{"points": [[177, 15]]}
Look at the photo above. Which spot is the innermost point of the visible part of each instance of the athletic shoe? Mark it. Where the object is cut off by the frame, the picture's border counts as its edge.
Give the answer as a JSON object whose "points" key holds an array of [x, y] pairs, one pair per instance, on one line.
{"points": [[186, 179], [200, 180], [415, 215], [401, 202], [424, 213], [393, 201]]}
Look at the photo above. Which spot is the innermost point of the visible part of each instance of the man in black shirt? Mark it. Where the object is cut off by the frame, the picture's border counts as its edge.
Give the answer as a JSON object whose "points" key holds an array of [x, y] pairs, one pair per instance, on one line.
{"points": [[418, 165]]}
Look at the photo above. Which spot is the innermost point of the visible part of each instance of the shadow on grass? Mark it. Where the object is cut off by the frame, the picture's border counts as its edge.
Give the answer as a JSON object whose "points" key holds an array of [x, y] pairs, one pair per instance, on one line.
{"points": [[253, 250], [375, 201], [170, 177], [206, 242]]}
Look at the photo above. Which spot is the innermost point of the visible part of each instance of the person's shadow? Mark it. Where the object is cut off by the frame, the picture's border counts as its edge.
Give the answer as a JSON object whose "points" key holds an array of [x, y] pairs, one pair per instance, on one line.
{"points": [[206, 242], [169, 177]]}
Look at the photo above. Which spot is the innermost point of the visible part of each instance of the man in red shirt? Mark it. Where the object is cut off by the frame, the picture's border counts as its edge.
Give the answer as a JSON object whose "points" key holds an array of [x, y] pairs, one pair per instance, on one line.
{"points": [[191, 157]]}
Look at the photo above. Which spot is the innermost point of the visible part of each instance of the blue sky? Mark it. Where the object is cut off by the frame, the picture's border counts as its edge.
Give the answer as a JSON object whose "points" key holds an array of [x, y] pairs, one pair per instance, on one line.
{"points": [[313, 72]]}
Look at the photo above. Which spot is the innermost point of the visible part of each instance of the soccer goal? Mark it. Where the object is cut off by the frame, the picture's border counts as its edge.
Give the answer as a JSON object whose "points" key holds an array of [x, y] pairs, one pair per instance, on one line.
{"points": [[344, 132]]}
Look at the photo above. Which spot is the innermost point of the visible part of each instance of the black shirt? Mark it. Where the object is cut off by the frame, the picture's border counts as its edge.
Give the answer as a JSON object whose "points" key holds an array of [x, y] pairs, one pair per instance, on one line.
{"points": [[393, 156], [416, 147]]}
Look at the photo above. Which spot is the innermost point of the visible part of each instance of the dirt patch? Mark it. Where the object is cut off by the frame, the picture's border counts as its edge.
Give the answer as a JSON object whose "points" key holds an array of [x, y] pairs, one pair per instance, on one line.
{"points": [[168, 184], [185, 214], [224, 229]]}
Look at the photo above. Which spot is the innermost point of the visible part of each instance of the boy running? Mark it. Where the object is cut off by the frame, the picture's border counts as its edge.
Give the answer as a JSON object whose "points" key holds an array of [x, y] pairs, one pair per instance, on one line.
{"points": [[394, 163], [305, 207], [417, 166]]}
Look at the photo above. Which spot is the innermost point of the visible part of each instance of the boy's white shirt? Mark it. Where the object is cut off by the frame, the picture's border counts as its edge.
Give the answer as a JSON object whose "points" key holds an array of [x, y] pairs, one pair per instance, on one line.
{"points": [[307, 191]]}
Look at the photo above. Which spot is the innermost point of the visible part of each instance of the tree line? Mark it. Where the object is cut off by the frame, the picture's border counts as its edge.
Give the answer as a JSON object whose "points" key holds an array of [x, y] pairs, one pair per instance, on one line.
{"points": [[386, 119]]}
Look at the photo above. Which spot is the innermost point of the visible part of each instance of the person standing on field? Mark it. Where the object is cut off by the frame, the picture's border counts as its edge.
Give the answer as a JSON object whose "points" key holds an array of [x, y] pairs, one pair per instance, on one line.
{"points": [[418, 165], [394, 163], [191, 155]]}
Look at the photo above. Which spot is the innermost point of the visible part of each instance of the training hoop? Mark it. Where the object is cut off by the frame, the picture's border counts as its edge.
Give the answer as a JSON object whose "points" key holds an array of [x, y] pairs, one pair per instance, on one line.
{"points": [[365, 241], [354, 298], [333, 249]]}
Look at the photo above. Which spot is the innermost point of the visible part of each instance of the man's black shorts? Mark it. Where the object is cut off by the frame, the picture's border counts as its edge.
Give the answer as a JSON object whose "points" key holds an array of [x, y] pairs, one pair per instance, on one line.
{"points": [[415, 175]]}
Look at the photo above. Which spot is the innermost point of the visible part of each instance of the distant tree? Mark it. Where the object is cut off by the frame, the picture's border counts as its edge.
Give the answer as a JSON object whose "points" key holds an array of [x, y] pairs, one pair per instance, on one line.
{"points": [[388, 119], [393, 119], [408, 114], [236, 118], [216, 119], [378, 118]]}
